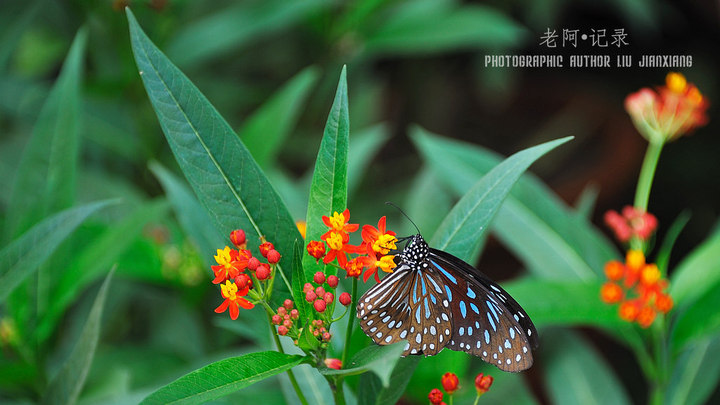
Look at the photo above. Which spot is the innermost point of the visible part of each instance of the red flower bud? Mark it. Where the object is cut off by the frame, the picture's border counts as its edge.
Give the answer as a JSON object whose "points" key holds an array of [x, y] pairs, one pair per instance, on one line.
{"points": [[273, 256], [345, 299], [326, 336], [308, 287], [294, 314], [243, 281], [333, 363], [237, 237], [282, 330], [287, 323], [316, 249], [328, 297], [333, 281], [319, 277], [262, 272], [288, 304], [320, 305], [435, 396], [276, 319], [449, 382], [320, 291], [281, 311], [310, 296], [483, 383], [265, 248], [253, 263]]}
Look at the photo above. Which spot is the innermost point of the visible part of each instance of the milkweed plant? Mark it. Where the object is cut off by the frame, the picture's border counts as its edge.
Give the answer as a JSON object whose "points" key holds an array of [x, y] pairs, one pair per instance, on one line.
{"points": [[302, 277]]}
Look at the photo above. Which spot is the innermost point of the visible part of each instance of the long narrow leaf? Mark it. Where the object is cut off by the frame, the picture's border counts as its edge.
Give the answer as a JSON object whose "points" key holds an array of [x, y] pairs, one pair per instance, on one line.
{"points": [[24, 255], [217, 165], [696, 373], [47, 173], [462, 228], [328, 190], [223, 377], [379, 359], [698, 272], [66, 386]]}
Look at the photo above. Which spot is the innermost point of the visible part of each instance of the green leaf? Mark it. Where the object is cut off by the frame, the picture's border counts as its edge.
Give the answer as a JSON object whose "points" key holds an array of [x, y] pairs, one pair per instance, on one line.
{"points": [[46, 176], [534, 223], [23, 256], [698, 321], [204, 39], [460, 232], [298, 282], [66, 386], [266, 130], [698, 272], [12, 32], [576, 374], [306, 341], [429, 27], [553, 302], [364, 145], [585, 203], [427, 197], [223, 377], [381, 360], [328, 190], [90, 263], [195, 221], [695, 374], [217, 165], [663, 256], [372, 392]]}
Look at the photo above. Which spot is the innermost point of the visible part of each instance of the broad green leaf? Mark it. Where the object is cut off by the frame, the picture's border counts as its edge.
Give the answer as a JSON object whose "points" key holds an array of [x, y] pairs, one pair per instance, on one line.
{"points": [[66, 386], [90, 263], [217, 165], [381, 360], [695, 374], [328, 190], [700, 320], [265, 131], [459, 233], [192, 217], [23, 256], [553, 302], [223, 377], [585, 203], [46, 177], [436, 28], [698, 272], [372, 392], [203, 39], [663, 256], [576, 374], [561, 243], [298, 282]]}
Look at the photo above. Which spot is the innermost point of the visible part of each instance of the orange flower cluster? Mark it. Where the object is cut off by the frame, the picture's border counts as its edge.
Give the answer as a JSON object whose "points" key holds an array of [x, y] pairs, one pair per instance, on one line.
{"points": [[638, 287], [631, 223], [668, 112], [372, 252], [451, 383], [230, 272]]}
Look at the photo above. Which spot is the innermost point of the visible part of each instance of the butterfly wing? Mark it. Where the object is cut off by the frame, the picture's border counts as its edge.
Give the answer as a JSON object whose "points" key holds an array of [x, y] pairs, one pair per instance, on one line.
{"points": [[486, 321], [408, 304]]}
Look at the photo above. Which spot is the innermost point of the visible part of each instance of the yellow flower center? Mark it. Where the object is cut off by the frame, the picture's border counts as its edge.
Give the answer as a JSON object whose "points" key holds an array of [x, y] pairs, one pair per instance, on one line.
{"points": [[650, 274], [386, 263], [223, 257], [384, 243], [337, 221], [335, 241], [229, 290], [676, 82], [635, 259]]}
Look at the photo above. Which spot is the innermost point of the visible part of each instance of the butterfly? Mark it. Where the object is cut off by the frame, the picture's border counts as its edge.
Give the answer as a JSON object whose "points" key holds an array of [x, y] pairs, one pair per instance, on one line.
{"points": [[434, 300]]}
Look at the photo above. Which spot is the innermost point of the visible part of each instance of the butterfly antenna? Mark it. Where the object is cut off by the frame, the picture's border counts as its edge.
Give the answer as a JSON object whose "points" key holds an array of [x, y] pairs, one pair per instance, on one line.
{"points": [[404, 214]]}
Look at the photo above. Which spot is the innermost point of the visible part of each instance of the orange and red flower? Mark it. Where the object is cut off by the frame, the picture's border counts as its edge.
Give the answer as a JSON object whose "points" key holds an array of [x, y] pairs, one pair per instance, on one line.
{"points": [[668, 112], [231, 263], [631, 223], [639, 288], [233, 299]]}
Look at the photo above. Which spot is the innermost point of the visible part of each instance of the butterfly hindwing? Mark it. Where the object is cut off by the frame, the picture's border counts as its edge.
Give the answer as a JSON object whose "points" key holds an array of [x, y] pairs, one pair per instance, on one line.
{"points": [[487, 321]]}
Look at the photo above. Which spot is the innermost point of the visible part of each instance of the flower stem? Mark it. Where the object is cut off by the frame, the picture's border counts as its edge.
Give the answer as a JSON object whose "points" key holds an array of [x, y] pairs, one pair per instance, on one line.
{"points": [[293, 381], [351, 321], [645, 180]]}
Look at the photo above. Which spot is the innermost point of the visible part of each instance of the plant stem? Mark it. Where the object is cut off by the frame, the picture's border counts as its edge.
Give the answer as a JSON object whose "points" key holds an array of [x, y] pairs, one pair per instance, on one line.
{"points": [[647, 172], [293, 381], [351, 321]]}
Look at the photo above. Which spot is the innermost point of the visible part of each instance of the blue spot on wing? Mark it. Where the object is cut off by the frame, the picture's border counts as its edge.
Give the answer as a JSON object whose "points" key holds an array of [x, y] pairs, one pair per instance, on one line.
{"points": [[470, 293], [475, 308], [463, 310], [449, 294], [445, 272], [427, 309]]}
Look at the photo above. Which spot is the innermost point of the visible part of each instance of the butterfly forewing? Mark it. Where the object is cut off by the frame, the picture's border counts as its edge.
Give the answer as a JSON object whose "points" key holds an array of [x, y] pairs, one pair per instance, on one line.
{"points": [[487, 322]]}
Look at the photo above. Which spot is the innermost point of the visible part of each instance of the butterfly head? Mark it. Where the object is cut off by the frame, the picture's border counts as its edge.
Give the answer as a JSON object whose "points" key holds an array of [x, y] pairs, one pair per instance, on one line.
{"points": [[415, 252]]}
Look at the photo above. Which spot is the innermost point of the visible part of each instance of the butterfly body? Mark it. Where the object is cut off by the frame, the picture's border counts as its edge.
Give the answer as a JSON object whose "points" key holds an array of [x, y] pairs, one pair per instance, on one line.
{"points": [[435, 300]]}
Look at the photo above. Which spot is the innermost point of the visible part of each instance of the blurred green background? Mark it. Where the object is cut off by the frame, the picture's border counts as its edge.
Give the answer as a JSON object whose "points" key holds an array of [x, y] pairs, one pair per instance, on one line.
{"points": [[410, 63]]}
